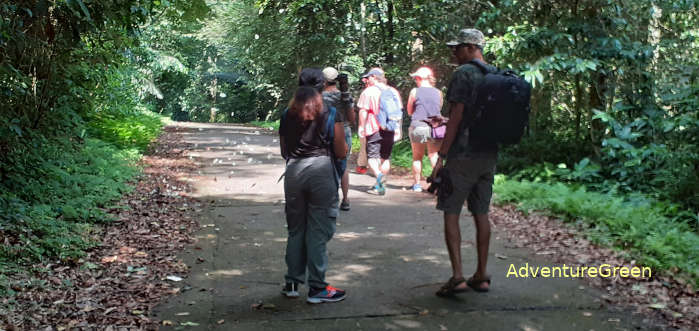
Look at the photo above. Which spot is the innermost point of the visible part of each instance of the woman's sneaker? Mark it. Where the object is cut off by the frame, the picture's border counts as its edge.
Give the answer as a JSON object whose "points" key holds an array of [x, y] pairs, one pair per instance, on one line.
{"points": [[291, 290], [327, 294], [377, 190], [361, 170]]}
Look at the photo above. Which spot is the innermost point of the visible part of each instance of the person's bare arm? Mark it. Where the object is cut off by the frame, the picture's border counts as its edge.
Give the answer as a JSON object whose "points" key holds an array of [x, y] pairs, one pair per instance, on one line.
{"points": [[339, 144], [455, 115], [441, 101], [363, 113], [410, 107], [348, 107], [351, 116]]}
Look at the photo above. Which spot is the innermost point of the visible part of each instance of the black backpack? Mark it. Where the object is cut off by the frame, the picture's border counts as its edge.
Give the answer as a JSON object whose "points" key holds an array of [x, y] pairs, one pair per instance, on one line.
{"points": [[502, 105]]}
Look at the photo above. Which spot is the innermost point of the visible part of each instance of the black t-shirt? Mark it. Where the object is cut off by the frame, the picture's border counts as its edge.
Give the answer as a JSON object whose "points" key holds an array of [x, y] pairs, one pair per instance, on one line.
{"points": [[309, 140], [463, 89]]}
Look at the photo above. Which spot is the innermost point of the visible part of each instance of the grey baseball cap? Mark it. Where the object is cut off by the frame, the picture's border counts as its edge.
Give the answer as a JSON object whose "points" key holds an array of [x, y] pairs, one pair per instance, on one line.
{"points": [[468, 36], [374, 72]]}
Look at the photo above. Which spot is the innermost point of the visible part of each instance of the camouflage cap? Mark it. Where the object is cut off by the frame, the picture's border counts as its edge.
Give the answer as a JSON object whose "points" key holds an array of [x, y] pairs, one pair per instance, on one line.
{"points": [[468, 36]]}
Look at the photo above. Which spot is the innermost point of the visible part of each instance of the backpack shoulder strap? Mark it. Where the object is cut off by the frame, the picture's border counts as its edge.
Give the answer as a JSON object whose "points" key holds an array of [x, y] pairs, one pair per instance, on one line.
{"points": [[282, 119], [330, 124], [480, 65], [392, 95], [284, 152]]}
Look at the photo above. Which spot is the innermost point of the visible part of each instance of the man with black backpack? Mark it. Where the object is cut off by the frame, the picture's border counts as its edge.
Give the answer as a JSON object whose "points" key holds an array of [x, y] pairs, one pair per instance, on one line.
{"points": [[470, 163]]}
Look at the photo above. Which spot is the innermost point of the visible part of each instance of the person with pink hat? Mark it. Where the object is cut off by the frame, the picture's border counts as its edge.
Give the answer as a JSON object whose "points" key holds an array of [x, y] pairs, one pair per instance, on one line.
{"points": [[424, 102]]}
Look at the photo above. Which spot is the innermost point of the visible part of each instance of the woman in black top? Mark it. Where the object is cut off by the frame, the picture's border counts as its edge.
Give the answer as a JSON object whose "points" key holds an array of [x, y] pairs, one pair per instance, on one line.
{"points": [[310, 189]]}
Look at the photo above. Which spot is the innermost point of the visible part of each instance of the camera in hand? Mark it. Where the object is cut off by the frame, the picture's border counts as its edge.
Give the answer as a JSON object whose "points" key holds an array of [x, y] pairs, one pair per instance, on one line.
{"points": [[441, 183], [344, 82], [435, 182]]}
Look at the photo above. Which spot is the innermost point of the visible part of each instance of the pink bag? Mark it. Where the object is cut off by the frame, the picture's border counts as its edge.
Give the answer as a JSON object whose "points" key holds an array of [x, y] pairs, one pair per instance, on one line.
{"points": [[438, 125], [439, 132]]}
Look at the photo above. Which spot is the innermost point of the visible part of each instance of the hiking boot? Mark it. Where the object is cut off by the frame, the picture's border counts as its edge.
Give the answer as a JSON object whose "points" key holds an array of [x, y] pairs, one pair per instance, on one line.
{"points": [[377, 190], [327, 294], [345, 205], [291, 290], [416, 188]]}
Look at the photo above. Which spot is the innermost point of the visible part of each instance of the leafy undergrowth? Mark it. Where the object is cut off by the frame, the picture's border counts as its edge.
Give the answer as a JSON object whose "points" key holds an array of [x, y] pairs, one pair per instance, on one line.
{"points": [[127, 131], [402, 156], [54, 191], [269, 125], [48, 207], [663, 296], [638, 227], [116, 283]]}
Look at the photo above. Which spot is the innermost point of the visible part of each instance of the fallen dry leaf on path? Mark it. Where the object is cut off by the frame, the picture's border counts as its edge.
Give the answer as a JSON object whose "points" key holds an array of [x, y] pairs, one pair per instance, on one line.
{"points": [[95, 292], [673, 302]]}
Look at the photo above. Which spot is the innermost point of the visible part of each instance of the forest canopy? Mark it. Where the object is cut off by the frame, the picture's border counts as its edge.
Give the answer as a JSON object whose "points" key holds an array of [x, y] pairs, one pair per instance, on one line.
{"points": [[615, 83]]}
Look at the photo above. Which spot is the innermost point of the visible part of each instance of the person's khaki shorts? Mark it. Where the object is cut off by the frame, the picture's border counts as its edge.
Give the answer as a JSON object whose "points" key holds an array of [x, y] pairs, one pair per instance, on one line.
{"points": [[472, 180], [420, 134]]}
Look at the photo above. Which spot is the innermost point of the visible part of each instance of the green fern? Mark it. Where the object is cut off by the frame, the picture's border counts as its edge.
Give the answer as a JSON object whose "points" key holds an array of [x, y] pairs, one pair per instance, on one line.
{"points": [[636, 225]]}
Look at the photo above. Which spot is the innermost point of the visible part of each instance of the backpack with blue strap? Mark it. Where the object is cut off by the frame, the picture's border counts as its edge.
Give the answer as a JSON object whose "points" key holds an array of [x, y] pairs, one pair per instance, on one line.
{"points": [[390, 112], [339, 165]]}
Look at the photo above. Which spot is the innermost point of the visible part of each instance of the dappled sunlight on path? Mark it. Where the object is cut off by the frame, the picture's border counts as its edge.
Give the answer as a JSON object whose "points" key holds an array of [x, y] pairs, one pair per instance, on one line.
{"points": [[388, 253]]}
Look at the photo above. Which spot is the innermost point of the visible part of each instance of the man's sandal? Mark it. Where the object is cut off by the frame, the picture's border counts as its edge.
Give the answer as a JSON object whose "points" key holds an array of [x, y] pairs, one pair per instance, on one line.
{"points": [[475, 284], [450, 287]]}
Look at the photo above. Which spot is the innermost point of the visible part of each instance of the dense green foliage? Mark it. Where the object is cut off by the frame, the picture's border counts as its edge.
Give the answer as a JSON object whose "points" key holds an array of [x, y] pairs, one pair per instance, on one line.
{"points": [[269, 125], [71, 120], [637, 226], [615, 83], [47, 212], [615, 105]]}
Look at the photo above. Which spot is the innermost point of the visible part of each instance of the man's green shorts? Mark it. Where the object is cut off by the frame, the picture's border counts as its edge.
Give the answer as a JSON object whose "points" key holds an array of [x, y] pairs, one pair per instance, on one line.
{"points": [[472, 179]]}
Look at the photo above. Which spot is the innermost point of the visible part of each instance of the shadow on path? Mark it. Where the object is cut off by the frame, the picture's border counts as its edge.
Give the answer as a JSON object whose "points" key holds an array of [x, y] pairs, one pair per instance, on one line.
{"points": [[388, 253]]}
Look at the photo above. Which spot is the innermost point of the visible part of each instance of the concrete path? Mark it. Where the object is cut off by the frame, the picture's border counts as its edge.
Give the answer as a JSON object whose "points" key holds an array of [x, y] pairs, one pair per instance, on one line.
{"points": [[388, 253]]}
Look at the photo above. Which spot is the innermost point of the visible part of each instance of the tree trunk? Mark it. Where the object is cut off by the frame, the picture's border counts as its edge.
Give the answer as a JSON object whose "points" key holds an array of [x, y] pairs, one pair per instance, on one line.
{"points": [[363, 32], [391, 32], [541, 109], [598, 91], [578, 107]]}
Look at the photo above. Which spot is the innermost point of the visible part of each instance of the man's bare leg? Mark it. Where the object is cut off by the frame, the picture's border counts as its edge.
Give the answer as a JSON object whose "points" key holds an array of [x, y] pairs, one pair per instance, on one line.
{"points": [[418, 153], [452, 235], [482, 245], [344, 185]]}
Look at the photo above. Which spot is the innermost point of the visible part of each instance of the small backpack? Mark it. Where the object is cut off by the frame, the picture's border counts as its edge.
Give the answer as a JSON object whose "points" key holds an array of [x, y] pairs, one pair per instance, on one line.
{"points": [[390, 112], [502, 105], [339, 165]]}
